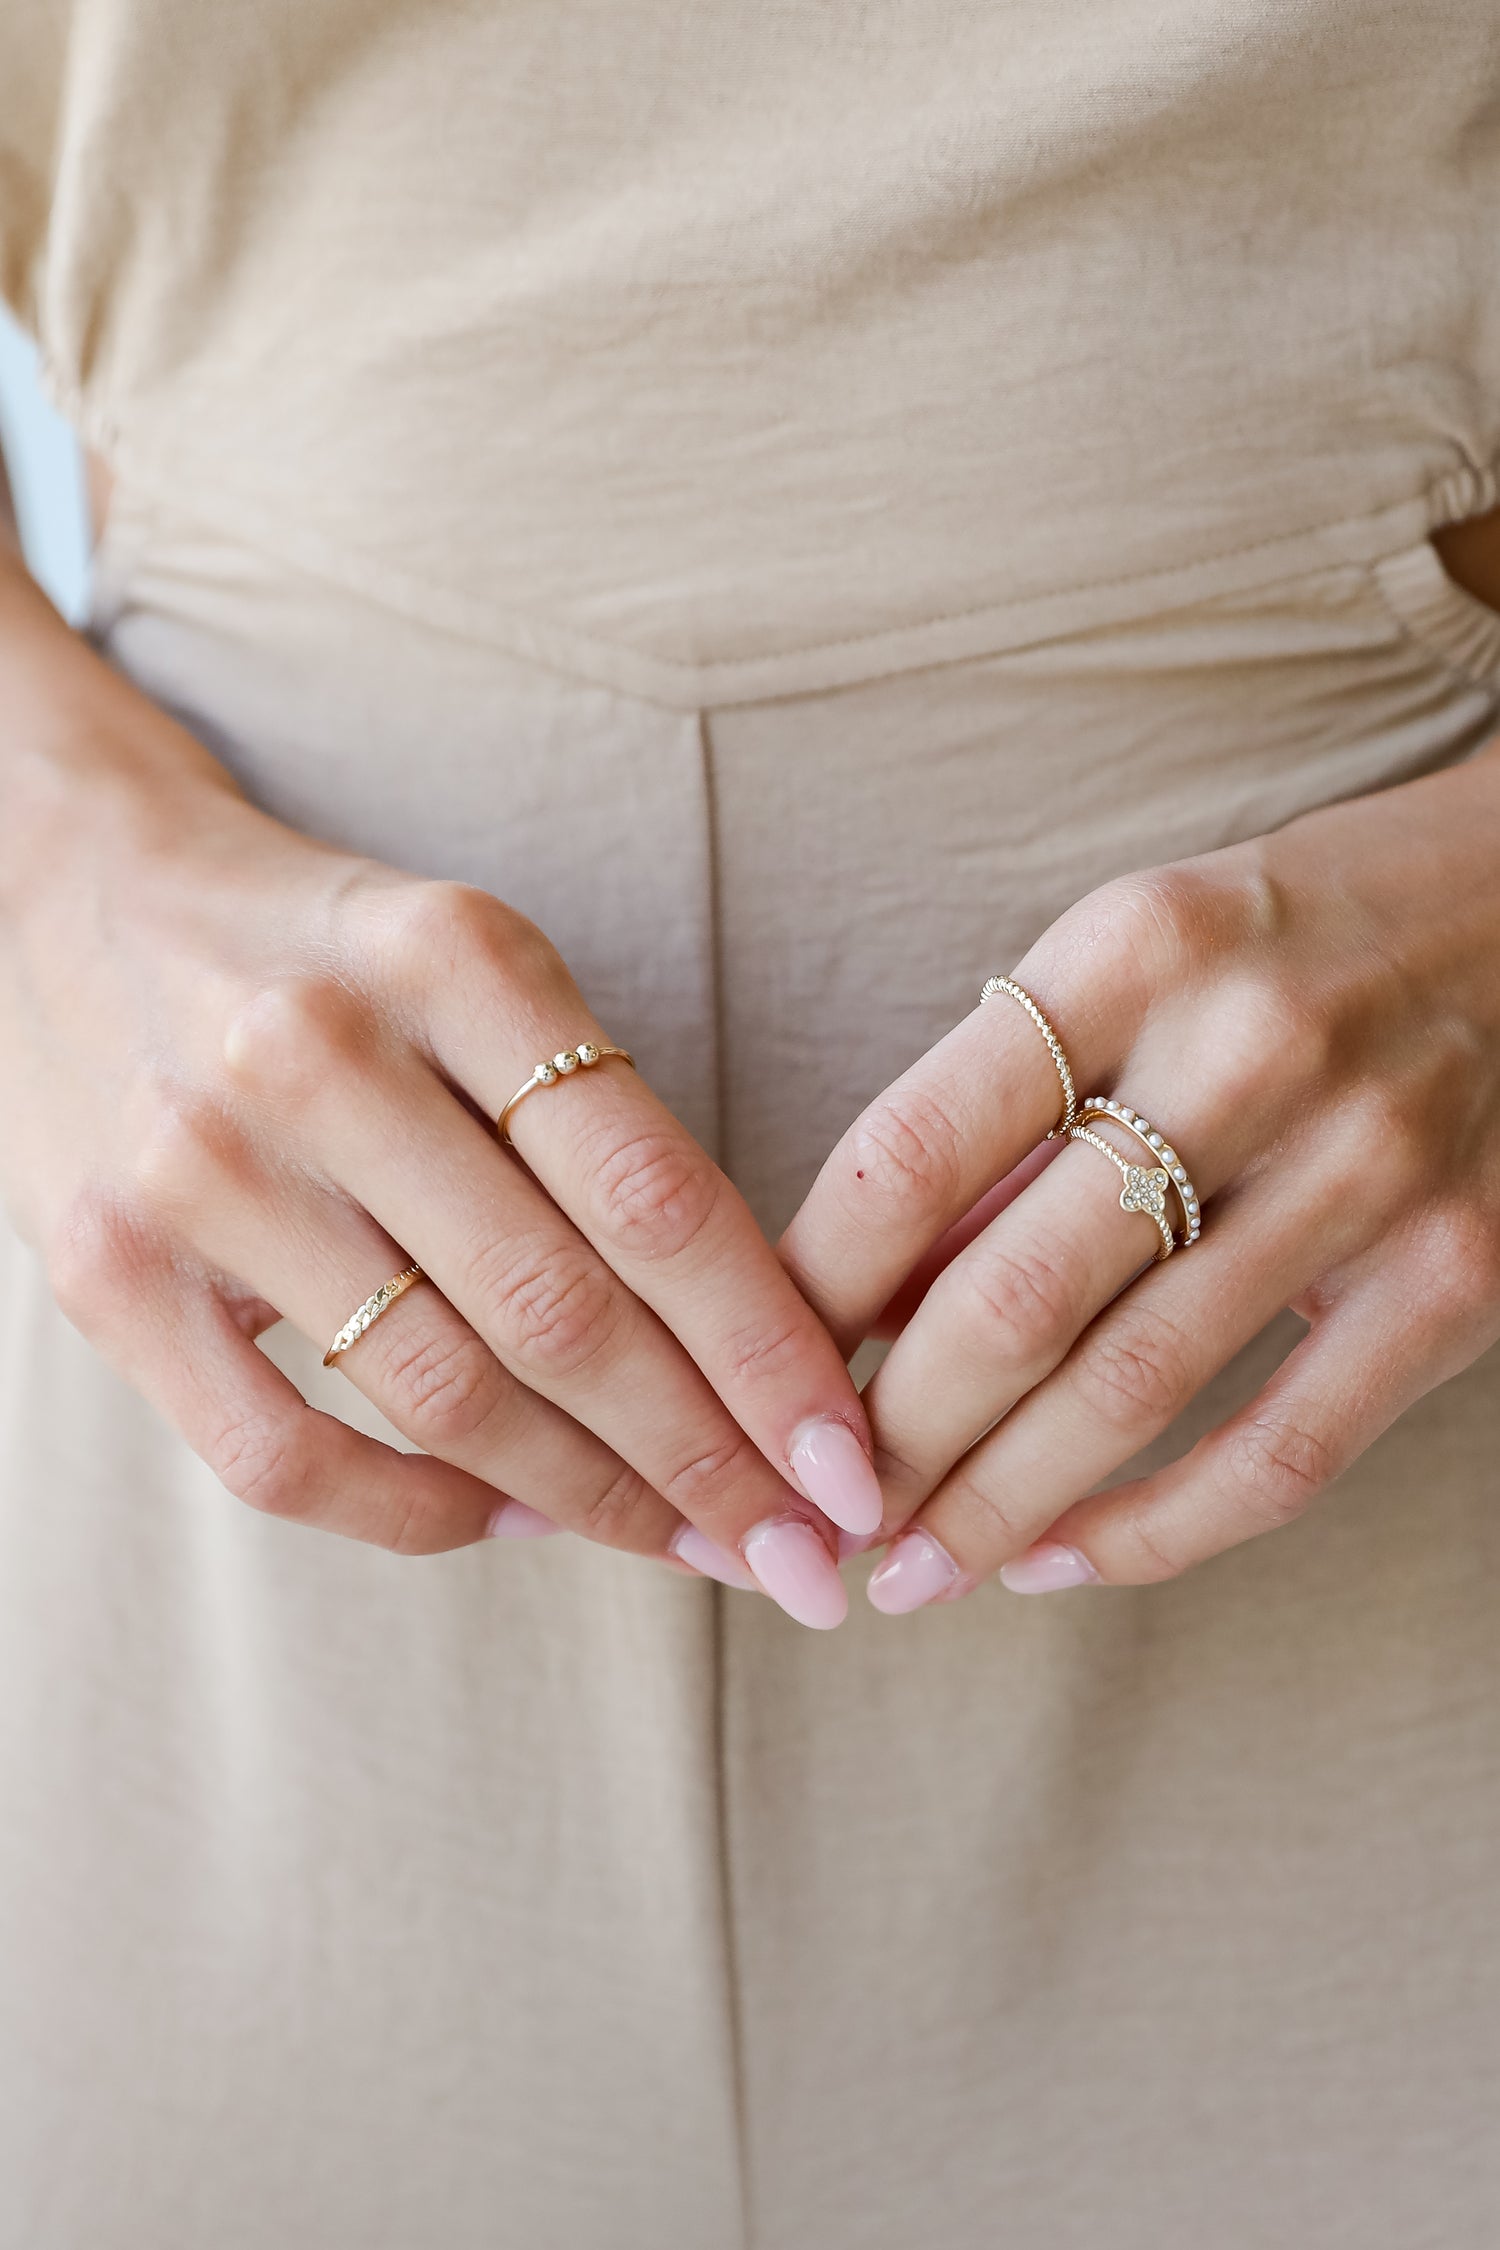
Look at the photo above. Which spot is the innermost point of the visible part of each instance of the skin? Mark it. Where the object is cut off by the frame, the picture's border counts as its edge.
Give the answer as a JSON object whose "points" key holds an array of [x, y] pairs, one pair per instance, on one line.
{"points": [[1314, 1019], [251, 1076]]}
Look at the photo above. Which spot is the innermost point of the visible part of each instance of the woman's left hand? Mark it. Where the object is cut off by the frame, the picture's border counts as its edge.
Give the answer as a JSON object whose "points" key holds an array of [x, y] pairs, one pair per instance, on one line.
{"points": [[1312, 1021]]}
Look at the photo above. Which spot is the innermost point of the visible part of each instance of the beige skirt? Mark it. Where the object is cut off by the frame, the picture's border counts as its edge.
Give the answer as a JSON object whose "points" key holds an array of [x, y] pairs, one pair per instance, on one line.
{"points": [[533, 1899]]}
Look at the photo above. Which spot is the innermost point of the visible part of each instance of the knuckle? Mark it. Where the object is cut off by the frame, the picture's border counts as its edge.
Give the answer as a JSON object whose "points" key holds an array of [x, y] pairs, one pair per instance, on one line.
{"points": [[1024, 1297], [97, 1258], [656, 1194], [612, 1516], [1150, 929], [261, 1464], [910, 1151], [423, 1526], [184, 1152], [1149, 1553], [1262, 1040], [764, 1355], [441, 930], [441, 1388], [1377, 1155], [693, 1488], [282, 1042], [1459, 1250], [997, 1513], [1135, 1374], [554, 1305], [1278, 1467]]}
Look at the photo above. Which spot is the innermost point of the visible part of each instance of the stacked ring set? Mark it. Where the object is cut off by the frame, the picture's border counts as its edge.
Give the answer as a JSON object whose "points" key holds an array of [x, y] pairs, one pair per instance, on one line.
{"points": [[1147, 1186]]}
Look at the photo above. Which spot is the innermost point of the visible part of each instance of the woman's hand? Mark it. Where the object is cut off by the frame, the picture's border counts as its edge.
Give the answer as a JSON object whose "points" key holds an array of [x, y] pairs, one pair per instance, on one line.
{"points": [[247, 1075], [1313, 1023]]}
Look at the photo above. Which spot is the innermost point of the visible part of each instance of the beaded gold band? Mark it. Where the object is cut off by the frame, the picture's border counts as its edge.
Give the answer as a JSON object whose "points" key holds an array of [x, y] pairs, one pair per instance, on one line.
{"points": [[582, 1057], [995, 988], [371, 1310], [1144, 1190], [1159, 1150]]}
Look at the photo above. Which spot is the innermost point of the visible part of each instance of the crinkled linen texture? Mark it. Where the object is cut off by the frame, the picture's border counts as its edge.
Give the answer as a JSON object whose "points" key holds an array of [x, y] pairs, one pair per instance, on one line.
{"points": [[790, 497]]}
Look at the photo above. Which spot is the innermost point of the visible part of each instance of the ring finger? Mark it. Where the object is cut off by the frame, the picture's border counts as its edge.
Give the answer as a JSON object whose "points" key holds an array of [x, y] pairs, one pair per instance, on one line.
{"points": [[315, 1256]]}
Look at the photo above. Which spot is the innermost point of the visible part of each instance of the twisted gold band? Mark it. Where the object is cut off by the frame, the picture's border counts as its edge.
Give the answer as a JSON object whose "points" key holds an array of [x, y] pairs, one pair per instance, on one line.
{"points": [[371, 1310], [1159, 1151], [582, 1057], [994, 987], [1143, 1190]]}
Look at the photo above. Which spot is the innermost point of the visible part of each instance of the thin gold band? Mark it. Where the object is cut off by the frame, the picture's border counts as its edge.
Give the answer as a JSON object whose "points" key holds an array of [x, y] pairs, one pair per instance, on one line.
{"points": [[994, 988], [1159, 1150], [582, 1057], [1144, 1190], [371, 1310]]}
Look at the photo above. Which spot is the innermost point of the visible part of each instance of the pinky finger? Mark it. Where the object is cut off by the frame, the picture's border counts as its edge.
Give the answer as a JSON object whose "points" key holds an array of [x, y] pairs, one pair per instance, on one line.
{"points": [[1342, 1386], [193, 1361]]}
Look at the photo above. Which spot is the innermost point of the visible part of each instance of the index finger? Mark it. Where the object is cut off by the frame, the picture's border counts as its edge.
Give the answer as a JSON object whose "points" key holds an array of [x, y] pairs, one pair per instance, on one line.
{"points": [[926, 1150]]}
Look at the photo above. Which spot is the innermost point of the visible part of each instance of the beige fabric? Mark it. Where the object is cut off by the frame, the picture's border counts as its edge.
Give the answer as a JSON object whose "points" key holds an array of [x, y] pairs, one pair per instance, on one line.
{"points": [[883, 470], [528, 1898], [725, 351]]}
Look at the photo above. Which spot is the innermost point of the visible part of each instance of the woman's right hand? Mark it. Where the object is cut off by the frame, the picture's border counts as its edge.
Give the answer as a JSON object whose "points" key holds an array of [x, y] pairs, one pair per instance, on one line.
{"points": [[249, 1076]]}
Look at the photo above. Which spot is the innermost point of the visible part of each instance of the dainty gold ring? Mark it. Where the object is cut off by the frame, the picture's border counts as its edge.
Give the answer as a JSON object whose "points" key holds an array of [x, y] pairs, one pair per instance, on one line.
{"points": [[1159, 1152], [371, 1310], [582, 1057], [1145, 1188], [994, 988]]}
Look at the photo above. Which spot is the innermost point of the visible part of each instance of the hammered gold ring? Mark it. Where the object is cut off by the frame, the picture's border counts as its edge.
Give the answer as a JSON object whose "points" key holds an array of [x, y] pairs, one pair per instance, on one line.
{"points": [[584, 1056], [371, 1310], [994, 988]]}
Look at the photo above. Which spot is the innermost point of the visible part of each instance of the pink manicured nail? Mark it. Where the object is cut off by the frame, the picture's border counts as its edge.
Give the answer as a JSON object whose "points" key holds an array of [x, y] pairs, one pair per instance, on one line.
{"points": [[695, 1548], [834, 1471], [1048, 1568], [853, 1543], [916, 1570], [793, 1566], [514, 1520]]}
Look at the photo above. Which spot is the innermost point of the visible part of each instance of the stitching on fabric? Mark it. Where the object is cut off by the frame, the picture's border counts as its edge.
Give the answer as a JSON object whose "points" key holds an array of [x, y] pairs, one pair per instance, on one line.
{"points": [[393, 588]]}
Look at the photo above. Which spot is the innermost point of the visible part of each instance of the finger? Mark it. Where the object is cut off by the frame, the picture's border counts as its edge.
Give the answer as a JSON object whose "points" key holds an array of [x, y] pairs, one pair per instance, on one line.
{"points": [[1006, 1310], [998, 1320], [397, 1143], [1127, 1378], [1346, 1382], [681, 1237], [894, 1315], [932, 1145], [658, 1210], [317, 1258], [171, 1334]]}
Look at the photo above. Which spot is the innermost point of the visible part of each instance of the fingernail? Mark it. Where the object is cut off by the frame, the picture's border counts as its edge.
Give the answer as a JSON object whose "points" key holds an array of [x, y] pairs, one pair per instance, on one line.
{"points": [[793, 1566], [834, 1470], [916, 1570], [698, 1551], [1048, 1568], [856, 1543], [514, 1520]]}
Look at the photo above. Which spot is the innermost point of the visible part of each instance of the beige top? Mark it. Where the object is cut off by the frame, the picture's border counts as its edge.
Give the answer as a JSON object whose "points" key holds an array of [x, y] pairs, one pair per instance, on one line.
{"points": [[537, 1899], [713, 352]]}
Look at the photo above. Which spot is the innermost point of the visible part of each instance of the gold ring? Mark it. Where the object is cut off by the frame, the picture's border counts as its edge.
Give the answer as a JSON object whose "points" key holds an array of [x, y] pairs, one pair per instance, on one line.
{"points": [[1161, 1152], [582, 1057], [994, 987], [371, 1310], [1145, 1189]]}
